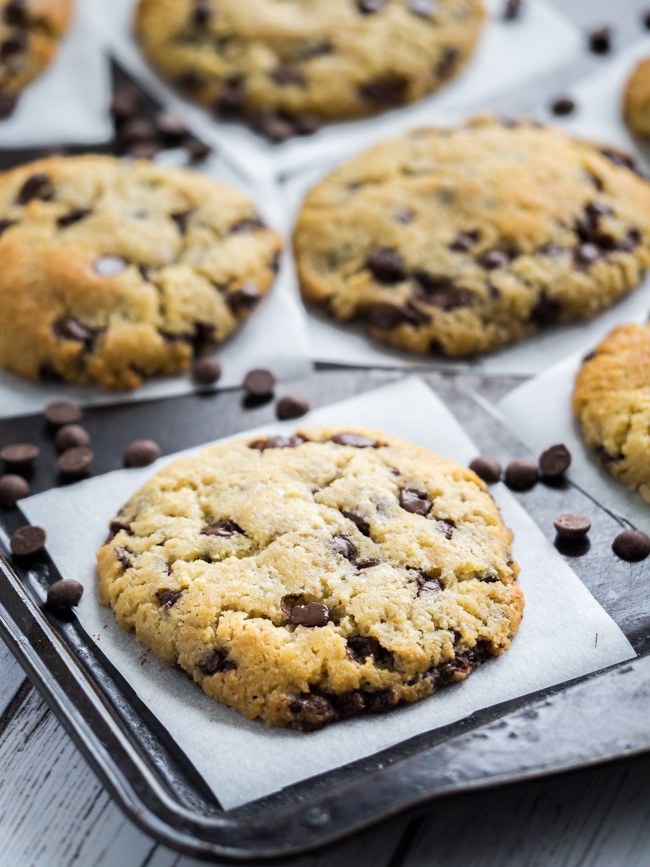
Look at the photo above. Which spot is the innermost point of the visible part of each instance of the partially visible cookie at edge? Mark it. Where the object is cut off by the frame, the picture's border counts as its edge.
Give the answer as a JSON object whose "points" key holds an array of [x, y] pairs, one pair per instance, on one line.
{"points": [[307, 578], [636, 99], [611, 402], [457, 241], [115, 271]]}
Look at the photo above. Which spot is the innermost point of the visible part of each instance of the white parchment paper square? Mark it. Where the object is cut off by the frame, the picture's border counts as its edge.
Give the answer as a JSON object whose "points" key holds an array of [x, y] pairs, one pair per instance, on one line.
{"points": [[553, 390], [564, 634], [508, 54], [275, 336], [68, 103]]}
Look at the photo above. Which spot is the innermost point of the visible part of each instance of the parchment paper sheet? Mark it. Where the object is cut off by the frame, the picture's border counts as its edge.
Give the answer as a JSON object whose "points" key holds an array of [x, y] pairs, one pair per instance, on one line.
{"points": [[509, 53], [68, 103], [275, 336], [564, 634]]}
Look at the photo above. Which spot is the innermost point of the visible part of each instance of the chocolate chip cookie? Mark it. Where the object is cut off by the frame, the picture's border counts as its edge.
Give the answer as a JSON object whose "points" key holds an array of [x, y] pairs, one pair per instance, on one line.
{"points": [[30, 31], [288, 66], [611, 401], [458, 241], [114, 271], [308, 578], [636, 99]]}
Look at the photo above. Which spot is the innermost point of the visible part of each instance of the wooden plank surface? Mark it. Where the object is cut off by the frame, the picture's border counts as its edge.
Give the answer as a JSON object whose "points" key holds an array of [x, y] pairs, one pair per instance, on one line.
{"points": [[53, 811]]}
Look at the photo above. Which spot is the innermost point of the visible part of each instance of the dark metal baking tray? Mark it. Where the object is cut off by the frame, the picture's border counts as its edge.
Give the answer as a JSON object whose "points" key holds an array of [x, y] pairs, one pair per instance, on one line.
{"points": [[598, 718]]}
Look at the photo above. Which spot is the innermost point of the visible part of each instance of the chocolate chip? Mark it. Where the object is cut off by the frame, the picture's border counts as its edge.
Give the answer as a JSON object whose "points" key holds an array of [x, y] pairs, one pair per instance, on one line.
{"points": [[487, 468], [136, 130], [141, 453], [73, 216], [447, 526], [216, 663], [312, 614], [248, 224], [404, 215], [19, 455], [366, 564], [27, 541], [144, 150], [423, 8], [386, 265], [287, 75], [244, 299], [551, 250], [38, 186], [492, 259], [197, 151], [360, 647], [15, 13], [181, 218], [109, 266], [167, 597], [631, 545], [307, 124], [562, 106], [362, 525], [68, 328], [586, 255], [355, 440], [125, 103], [206, 370], [223, 529], [370, 7], [12, 488], [512, 9], [343, 546], [171, 125], [465, 241], [572, 526], [385, 316], [70, 436], [122, 555], [259, 382], [201, 12], [554, 462], [75, 461], [619, 158], [273, 127], [414, 501], [442, 292], [291, 406], [385, 89], [277, 442], [8, 104], [64, 594], [546, 311], [231, 99], [521, 475], [599, 40], [61, 412], [427, 584]]}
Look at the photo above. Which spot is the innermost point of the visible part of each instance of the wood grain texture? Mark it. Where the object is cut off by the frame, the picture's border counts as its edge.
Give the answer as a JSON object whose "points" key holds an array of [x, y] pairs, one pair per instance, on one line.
{"points": [[54, 812]]}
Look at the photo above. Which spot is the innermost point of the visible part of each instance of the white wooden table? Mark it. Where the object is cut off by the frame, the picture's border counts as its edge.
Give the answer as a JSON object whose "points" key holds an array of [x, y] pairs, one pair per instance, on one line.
{"points": [[54, 812]]}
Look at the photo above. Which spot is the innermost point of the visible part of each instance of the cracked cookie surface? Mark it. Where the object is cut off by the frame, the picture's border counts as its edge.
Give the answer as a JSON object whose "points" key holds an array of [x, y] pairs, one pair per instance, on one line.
{"points": [[611, 401], [30, 31], [287, 65], [458, 241], [114, 271], [304, 579]]}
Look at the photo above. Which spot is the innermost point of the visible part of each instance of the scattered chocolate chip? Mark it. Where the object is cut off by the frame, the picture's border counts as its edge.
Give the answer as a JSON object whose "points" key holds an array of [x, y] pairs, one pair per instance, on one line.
{"points": [[70, 436], [447, 526], [487, 468], [61, 412], [64, 594], [244, 299], [521, 474], [600, 40], [562, 106], [27, 541], [171, 125], [546, 311], [441, 292], [277, 442], [12, 489], [197, 151], [586, 255], [248, 224], [137, 129], [385, 89], [370, 7], [386, 265], [68, 328], [572, 526], [492, 259], [551, 250], [167, 597], [414, 501], [75, 461], [355, 440], [259, 382], [19, 456], [427, 584], [216, 663], [109, 266], [287, 75], [181, 218], [312, 614], [141, 453], [631, 545], [512, 9], [291, 406], [385, 316], [38, 186], [122, 555], [362, 525], [307, 124], [144, 150], [465, 241], [125, 103], [554, 462], [231, 99], [223, 529], [366, 564], [404, 215], [8, 104], [343, 546], [273, 127], [360, 647], [206, 370], [73, 216]]}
